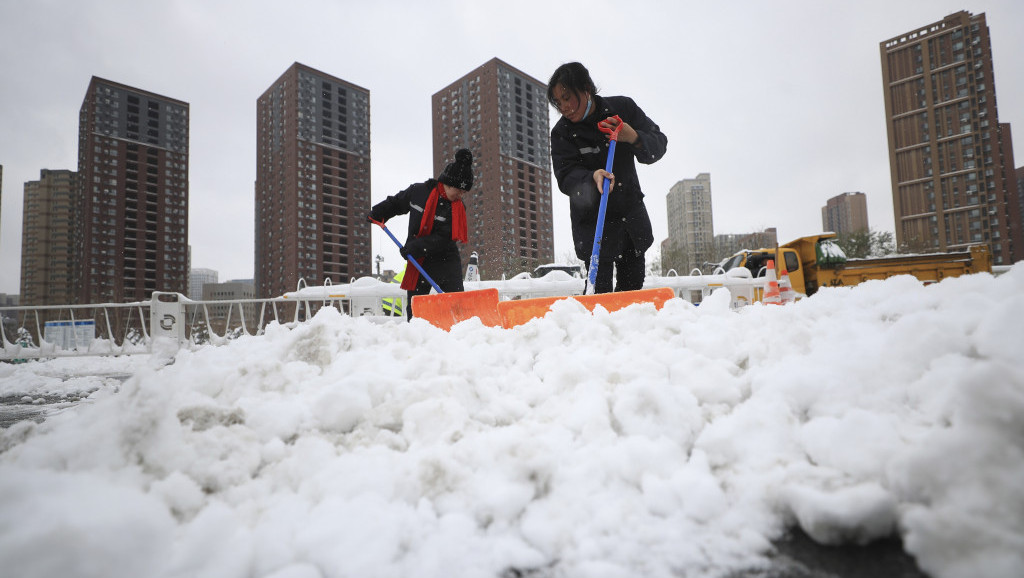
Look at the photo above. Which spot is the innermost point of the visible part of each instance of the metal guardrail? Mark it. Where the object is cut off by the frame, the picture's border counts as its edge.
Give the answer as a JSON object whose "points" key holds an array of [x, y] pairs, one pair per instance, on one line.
{"points": [[117, 329], [47, 331], [366, 293]]}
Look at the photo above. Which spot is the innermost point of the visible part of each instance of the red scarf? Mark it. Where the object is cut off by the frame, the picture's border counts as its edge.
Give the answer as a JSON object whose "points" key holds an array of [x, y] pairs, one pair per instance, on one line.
{"points": [[460, 232]]}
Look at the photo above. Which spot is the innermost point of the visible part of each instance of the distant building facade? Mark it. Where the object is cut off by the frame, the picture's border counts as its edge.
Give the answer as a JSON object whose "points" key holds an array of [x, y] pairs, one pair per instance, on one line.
{"points": [[501, 114], [691, 233], [727, 245], [9, 319], [951, 160], [131, 227], [230, 315], [47, 248], [1020, 189], [846, 213], [227, 291], [312, 181], [197, 279]]}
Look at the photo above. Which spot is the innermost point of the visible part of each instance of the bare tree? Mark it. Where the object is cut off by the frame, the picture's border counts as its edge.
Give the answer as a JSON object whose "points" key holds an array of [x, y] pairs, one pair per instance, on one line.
{"points": [[865, 243]]}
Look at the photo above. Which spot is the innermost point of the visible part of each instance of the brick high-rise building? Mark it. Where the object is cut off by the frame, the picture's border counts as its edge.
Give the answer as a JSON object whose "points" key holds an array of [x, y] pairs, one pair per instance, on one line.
{"points": [[951, 161], [47, 250], [691, 232], [845, 213], [1020, 189], [131, 228], [501, 114], [312, 182]]}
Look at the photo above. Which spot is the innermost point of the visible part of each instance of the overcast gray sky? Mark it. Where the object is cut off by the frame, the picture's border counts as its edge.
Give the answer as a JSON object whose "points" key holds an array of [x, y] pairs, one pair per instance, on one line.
{"points": [[780, 101]]}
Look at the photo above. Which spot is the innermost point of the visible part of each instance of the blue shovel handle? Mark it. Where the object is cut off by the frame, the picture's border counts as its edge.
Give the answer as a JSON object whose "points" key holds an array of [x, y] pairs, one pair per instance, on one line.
{"points": [[410, 259], [595, 255]]}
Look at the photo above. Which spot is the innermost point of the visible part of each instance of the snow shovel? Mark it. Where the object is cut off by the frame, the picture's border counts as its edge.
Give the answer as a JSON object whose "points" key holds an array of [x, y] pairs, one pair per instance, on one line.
{"points": [[518, 312], [515, 313], [603, 208], [446, 309]]}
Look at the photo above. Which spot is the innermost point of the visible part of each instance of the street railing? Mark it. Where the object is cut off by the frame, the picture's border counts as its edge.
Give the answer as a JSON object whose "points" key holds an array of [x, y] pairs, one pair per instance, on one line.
{"points": [[47, 331]]}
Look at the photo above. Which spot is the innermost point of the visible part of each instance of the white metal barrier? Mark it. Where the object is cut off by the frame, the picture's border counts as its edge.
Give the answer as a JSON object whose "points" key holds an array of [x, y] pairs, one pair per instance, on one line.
{"points": [[34, 332], [129, 328], [117, 329], [368, 292]]}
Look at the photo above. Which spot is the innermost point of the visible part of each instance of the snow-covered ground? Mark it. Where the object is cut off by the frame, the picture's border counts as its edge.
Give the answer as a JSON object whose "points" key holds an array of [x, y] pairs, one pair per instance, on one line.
{"points": [[638, 443]]}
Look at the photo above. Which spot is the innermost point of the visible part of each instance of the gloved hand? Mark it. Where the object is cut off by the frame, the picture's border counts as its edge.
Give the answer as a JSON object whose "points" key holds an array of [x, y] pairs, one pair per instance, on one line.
{"points": [[369, 217], [413, 248]]}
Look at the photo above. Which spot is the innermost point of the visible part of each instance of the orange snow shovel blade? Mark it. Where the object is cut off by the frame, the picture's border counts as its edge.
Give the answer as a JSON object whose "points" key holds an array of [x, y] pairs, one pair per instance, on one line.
{"points": [[515, 313], [446, 309]]}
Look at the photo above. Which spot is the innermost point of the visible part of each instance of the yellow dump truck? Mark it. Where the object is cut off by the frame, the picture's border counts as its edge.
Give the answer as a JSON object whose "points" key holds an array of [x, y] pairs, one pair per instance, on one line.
{"points": [[815, 261]]}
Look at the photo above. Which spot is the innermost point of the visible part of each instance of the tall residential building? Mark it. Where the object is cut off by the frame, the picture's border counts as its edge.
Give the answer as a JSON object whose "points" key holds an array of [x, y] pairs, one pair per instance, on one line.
{"points": [[312, 182], [845, 213], [131, 229], [1020, 189], [950, 159], [47, 250], [691, 233], [197, 278], [501, 114]]}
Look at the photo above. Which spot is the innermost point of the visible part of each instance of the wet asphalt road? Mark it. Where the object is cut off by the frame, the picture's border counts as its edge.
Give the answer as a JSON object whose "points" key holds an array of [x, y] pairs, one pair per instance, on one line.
{"points": [[798, 556], [18, 408]]}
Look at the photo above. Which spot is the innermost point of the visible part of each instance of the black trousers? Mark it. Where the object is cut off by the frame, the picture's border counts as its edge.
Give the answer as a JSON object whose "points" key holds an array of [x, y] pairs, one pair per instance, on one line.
{"points": [[629, 269]]}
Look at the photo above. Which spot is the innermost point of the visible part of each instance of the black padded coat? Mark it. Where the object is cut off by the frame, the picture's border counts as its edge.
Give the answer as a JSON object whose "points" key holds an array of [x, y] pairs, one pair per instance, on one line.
{"points": [[578, 149], [439, 251]]}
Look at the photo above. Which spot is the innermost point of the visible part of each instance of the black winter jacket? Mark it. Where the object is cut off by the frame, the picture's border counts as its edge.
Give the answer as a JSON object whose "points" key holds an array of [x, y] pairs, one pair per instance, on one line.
{"points": [[579, 149], [439, 251]]}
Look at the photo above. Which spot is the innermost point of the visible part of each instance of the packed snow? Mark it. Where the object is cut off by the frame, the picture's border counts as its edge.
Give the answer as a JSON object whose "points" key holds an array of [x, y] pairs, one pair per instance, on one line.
{"points": [[679, 442]]}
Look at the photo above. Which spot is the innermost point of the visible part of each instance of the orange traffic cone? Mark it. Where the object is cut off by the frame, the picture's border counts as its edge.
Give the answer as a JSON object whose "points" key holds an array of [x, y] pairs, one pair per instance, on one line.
{"points": [[786, 287], [772, 296]]}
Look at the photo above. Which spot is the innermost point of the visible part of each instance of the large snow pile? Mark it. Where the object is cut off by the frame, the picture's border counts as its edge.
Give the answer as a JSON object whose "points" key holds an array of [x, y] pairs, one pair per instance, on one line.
{"points": [[638, 443]]}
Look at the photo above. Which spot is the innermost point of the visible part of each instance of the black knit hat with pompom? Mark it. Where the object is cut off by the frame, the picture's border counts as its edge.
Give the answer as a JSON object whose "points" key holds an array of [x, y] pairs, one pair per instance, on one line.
{"points": [[459, 174]]}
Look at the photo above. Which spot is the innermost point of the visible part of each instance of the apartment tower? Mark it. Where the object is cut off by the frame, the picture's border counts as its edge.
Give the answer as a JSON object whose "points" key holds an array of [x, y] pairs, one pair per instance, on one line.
{"points": [[47, 250], [846, 213], [197, 279], [691, 234], [131, 223], [1020, 188], [501, 114], [312, 182], [951, 161]]}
